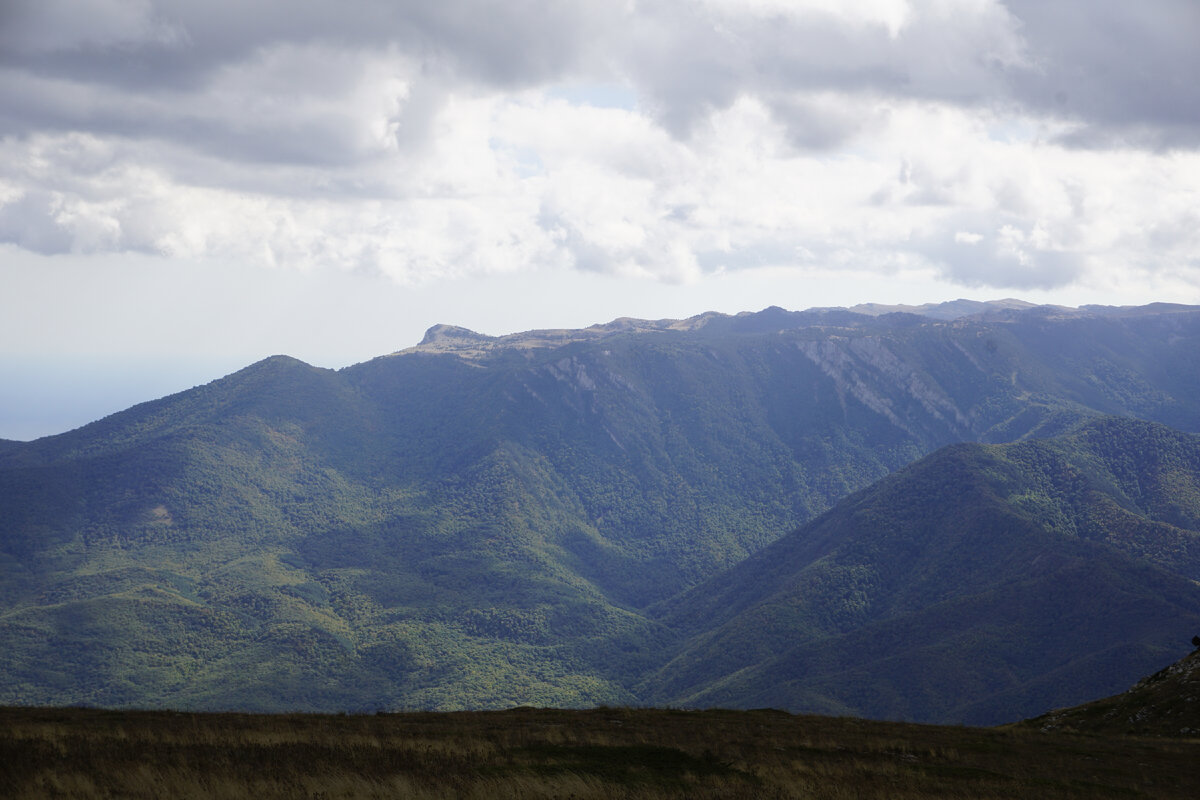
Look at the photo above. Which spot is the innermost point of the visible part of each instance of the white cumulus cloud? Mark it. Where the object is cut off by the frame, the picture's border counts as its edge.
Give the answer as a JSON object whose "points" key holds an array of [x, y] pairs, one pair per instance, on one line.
{"points": [[995, 144]]}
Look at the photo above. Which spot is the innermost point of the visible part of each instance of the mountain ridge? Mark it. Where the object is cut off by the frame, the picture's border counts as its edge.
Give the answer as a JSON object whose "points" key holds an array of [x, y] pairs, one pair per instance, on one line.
{"points": [[453, 338], [901, 556], [428, 530]]}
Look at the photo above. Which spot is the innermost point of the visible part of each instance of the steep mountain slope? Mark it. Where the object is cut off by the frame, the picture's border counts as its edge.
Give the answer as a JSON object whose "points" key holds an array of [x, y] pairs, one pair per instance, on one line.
{"points": [[979, 584], [1166, 703], [484, 521]]}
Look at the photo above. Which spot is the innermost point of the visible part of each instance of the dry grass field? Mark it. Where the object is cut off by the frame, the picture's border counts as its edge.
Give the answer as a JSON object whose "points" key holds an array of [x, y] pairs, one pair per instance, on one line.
{"points": [[546, 753]]}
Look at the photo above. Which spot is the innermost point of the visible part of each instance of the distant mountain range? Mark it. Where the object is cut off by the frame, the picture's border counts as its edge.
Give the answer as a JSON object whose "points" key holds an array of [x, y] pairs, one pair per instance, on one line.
{"points": [[638, 512]]}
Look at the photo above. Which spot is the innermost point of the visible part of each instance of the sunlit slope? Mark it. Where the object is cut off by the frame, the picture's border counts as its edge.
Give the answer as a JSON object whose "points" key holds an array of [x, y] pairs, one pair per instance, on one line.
{"points": [[484, 522], [980, 584]]}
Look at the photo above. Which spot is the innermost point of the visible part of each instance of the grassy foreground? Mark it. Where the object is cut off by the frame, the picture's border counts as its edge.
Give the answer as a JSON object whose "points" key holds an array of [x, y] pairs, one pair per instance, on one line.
{"points": [[543, 753]]}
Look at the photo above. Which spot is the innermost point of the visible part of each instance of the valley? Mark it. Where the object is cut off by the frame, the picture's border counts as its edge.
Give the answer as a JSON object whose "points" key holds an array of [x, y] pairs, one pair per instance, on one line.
{"points": [[926, 516]]}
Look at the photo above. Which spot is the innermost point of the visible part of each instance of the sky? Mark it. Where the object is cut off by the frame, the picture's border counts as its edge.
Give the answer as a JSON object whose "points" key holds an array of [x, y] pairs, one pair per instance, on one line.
{"points": [[187, 187]]}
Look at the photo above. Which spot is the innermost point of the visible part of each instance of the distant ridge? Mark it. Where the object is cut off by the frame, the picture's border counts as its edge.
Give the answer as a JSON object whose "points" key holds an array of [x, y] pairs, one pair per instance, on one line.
{"points": [[952, 309], [444, 338]]}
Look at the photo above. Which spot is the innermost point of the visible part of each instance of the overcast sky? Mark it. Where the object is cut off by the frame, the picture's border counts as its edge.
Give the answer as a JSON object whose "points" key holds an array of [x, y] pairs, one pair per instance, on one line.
{"points": [[187, 186]]}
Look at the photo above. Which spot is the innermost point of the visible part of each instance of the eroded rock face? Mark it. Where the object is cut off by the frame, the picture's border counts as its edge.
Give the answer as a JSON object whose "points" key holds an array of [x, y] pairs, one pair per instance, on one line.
{"points": [[868, 370], [861, 367]]}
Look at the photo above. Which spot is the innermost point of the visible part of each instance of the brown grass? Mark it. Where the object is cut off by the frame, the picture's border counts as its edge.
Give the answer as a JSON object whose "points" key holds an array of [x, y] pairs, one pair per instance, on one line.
{"points": [[601, 753]]}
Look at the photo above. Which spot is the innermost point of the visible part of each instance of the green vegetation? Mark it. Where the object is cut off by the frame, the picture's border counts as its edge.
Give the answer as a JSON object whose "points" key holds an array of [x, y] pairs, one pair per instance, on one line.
{"points": [[979, 584], [531, 753], [1166, 703], [525, 524]]}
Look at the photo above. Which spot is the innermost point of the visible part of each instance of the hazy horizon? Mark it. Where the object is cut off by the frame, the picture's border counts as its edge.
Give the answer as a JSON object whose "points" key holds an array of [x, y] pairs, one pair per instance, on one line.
{"points": [[47, 397], [189, 187]]}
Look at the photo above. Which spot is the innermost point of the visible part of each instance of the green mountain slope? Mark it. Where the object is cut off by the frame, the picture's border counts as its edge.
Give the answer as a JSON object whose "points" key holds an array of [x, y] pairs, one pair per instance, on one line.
{"points": [[484, 522], [980, 584], [1166, 703]]}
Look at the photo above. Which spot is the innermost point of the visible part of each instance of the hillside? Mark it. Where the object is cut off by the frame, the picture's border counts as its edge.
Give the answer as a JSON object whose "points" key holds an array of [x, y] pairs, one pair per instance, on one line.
{"points": [[485, 522], [978, 585], [638, 754], [1166, 703]]}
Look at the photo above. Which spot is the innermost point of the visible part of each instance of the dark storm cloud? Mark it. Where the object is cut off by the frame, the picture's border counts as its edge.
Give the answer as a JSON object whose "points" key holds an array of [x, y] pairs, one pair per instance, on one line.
{"points": [[1127, 71], [1124, 71], [160, 69], [689, 64], [178, 43]]}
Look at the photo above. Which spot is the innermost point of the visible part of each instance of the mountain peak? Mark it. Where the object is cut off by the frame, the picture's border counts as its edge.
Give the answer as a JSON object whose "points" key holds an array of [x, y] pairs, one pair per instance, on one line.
{"points": [[452, 333]]}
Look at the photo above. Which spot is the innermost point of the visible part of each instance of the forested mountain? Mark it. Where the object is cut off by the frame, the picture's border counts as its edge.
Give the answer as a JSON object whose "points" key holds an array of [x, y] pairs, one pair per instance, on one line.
{"points": [[1166, 703], [978, 585], [485, 522]]}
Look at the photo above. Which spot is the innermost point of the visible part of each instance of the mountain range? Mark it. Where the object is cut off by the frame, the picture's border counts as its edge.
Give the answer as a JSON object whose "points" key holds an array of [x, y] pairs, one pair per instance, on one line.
{"points": [[965, 512]]}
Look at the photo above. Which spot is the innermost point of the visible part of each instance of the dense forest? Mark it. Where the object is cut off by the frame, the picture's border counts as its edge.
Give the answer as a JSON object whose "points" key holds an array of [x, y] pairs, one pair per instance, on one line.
{"points": [[944, 519]]}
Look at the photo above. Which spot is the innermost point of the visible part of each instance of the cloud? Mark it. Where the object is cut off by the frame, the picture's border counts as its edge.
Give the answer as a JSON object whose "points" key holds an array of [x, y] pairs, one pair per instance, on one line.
{"points": [[32, 221], [178, 44], [1000, 144], [693, 60], [1124, 72], [1007, 257], [36, 27]]}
